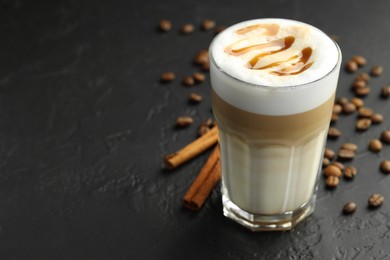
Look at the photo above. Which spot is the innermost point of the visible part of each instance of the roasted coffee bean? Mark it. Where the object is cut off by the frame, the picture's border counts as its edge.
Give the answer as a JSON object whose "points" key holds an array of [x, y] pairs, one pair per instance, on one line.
{"points": [[359, 84], [363, 124], [385, 136], [349, 208], [375, 145], [341, 100], [325, 162], [345, 154], [167, 76], [350, 172], [220, 29], [208, 24], [349, 146], [376, 118], [363, 76], [349, 108], [165, 25], [376, 71], [385, 92], [329, 153], [188, 81], [375, 200], [334, 37], [334, 118], [187, 28], [365, 112], [195, 98], [337, 108], [206, 66], [201, 57], [357, 102], [361, 92], [385, 166], [333, 132], [351, 66], [199, 77], [184, 121], [339, 165], [203, 129], [332, 170], [360, 60], [209, 122], [332, 182]]}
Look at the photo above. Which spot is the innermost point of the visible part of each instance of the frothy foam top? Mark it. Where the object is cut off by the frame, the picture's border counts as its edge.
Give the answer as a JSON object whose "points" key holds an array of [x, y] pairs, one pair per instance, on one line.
{"points": [[274, 52], [296, 63]]}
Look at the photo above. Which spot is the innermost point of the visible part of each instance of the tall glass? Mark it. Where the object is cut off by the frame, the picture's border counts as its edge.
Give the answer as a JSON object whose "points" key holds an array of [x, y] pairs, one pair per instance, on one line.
{"points": [[272, 140]]}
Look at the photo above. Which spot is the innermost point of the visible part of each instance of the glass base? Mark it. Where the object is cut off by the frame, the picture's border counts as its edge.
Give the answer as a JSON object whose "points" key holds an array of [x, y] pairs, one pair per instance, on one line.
{"points": [[258, 222]]}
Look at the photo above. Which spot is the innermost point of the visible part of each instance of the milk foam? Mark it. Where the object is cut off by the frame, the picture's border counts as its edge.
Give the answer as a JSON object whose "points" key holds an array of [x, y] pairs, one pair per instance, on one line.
{"points": [[261, 91]]}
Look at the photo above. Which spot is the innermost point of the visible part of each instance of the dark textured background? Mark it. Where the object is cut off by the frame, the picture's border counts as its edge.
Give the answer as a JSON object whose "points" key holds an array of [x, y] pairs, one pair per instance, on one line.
{"points": [[84, 123]]}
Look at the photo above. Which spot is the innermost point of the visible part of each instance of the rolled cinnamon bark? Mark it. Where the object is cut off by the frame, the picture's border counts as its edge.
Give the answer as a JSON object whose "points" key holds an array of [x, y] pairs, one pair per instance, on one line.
{"points": [[204, 183], [193, 149]]}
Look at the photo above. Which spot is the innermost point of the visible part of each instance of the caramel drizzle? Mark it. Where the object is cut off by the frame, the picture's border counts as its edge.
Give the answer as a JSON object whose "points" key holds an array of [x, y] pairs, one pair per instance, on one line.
{"points": [[269, 29], [281, 44]]}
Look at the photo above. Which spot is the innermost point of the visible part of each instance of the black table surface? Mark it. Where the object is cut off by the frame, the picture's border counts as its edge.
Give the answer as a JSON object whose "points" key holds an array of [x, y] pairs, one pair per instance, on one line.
{"points": [[85, 123]]}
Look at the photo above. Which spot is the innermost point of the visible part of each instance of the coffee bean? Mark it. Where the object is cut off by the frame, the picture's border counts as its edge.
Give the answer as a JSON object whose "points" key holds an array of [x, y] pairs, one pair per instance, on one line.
{"points": [[332, 170], [376, 118], [349, 108], [187, 28], [361, 92], [184, 121], [350, 172], [329, 153], [205, 66], [201, 57], [334, 37], [376, 71], [165, 25], [360, 60], [334, 118], [363, 124], [337, 108], [345, 154], [357, 102], [333, 132], [339, 165], [385, 92], [385, 166], [375, 145], [199, 77], [195, 98], [351, 66], [203, 129], [220, 29], [359, 84], [332, 182], [341, 100], [363, 76], [349, 146], [365, 112], [349, 208], [167, 76], [208, 24], [325, 162], [375, 200], [188, 81], [385, 136]]}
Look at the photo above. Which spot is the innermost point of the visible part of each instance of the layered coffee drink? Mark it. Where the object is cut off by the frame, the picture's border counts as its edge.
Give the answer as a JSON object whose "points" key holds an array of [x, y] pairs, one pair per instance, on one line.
{"points": [[274, 83]]}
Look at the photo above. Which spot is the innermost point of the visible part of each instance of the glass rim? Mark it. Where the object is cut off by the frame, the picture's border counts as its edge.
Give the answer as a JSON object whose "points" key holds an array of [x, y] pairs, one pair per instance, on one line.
{"points": [[284, 87]]}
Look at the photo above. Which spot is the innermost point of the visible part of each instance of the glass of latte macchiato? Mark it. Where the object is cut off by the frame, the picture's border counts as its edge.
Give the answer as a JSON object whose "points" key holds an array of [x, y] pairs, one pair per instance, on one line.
{"points": [[273, 88]]}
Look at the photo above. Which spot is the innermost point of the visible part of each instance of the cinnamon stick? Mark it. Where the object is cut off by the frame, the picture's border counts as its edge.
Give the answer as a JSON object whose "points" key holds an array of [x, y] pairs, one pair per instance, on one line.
{"points": [[204, 183], [193, 149]]}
